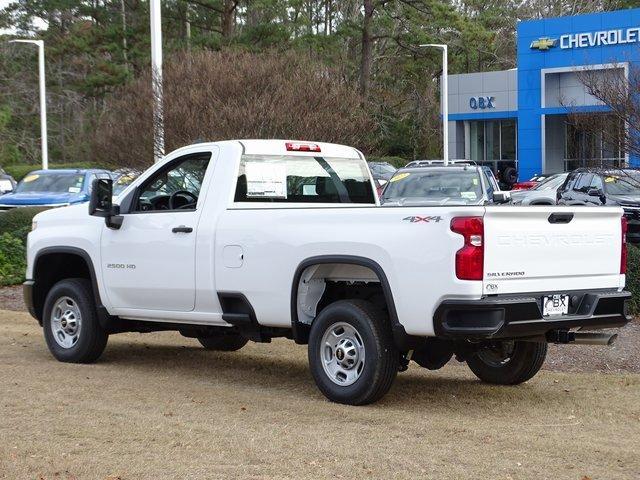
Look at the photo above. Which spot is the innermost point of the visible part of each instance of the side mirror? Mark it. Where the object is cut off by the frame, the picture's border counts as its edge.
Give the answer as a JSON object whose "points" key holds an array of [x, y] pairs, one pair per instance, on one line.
{"points": [[595, 192], [500, 196], [101, 204]]}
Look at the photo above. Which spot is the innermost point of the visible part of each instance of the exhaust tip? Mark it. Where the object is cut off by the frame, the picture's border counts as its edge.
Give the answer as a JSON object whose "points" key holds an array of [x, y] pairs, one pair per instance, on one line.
{"points": [[588, 338]]}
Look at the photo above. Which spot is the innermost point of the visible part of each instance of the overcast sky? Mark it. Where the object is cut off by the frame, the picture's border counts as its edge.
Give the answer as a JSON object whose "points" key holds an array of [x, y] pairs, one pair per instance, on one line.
{"points": [[3, 4]]}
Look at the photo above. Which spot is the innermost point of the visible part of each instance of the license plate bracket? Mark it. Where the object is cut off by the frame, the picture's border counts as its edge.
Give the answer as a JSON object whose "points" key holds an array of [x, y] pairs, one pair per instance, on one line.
{"points": [[555, 305]]}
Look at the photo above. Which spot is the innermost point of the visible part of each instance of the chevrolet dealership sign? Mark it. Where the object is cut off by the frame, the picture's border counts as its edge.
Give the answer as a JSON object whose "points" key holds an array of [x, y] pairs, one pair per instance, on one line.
{"points": [[602, 38]]}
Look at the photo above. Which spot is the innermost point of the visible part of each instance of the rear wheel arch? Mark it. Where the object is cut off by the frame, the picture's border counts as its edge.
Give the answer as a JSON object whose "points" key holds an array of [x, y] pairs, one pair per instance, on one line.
{"points": [[53, 264], [301, 329]]}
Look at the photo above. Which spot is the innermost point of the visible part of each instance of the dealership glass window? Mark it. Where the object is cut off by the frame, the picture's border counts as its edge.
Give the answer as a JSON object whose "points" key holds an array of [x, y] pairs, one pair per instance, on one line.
{"points": [[492, 140], [594, 141], [508, 133], [476, 141]]}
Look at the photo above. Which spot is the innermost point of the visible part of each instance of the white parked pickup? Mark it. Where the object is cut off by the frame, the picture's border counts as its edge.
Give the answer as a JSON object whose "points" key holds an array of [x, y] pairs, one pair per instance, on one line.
{"points": [[249, 240]]}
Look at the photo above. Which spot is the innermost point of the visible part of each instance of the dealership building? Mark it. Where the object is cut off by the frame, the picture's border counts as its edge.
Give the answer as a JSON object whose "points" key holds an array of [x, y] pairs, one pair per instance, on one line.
{"points": [[520, 116]]}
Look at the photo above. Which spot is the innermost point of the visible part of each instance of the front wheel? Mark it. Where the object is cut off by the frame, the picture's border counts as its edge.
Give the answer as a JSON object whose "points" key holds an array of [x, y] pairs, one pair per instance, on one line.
{"points": [[508, 362], [352, 356], [70, 322]]}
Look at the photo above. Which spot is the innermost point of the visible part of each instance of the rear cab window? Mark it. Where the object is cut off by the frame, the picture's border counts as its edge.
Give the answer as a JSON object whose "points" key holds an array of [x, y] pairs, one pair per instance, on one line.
{"points": [[303, 179]]}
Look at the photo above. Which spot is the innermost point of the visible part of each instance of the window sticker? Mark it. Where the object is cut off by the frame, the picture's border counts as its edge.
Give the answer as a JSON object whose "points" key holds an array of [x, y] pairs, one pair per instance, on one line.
{"points": [[610, 179], [74, 189], [469, 195], [30, 178], [267, 180], [400, 176], [475, 181]]}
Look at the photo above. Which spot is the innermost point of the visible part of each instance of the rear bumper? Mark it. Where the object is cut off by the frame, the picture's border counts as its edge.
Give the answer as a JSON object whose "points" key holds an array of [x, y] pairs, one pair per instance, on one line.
{"points": [[521, 316]]}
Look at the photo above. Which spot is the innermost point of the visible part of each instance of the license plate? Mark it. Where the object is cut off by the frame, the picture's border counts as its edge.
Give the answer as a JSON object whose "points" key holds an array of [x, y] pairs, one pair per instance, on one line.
{"points": [[555, 305]]}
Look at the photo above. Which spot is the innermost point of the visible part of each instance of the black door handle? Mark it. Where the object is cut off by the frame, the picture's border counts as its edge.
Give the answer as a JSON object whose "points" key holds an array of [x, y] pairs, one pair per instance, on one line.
{"points": [[182, 229]]}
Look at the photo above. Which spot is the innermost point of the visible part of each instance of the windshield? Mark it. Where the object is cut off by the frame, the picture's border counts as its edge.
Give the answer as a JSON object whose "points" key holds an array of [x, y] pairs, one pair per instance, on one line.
{"points": [[624, 183], [453, 187], [385, 168], [51, 183], [123, 182], [551, 183]]}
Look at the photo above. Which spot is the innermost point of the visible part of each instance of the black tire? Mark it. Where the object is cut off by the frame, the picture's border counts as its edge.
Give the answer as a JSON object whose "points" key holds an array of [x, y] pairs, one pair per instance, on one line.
{"points": [[381, 358], [510, 176], [224, 342], [91, 338], [523, 361]]}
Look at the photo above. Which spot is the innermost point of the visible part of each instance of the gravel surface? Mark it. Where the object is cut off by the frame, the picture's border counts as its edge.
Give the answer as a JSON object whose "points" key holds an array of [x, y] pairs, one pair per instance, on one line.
{"points": [[159, 406], [623, 356], [11, 298]]}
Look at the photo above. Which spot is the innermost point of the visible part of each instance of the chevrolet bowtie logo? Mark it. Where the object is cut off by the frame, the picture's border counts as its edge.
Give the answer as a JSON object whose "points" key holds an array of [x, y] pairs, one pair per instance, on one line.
{"points": [[544, 43]]}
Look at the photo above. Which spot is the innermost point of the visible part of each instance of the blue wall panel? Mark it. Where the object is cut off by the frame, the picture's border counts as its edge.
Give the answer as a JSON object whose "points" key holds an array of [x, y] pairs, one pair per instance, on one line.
{"points": [[532, 61]]}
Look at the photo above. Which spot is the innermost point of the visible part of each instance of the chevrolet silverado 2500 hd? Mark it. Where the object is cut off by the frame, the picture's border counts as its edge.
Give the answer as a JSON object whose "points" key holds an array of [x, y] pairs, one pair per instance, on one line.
{"points": [[249, 240]]}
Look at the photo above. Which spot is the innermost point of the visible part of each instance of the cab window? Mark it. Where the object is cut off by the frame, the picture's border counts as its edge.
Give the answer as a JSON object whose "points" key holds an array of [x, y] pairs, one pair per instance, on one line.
{"points": [[596, 182], [174, 187], [298, 179], [491, 187], [583, 182]]}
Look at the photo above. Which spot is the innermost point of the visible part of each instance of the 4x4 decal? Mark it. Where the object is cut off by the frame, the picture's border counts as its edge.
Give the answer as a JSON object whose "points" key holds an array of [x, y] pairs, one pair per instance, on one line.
{"points": [[417, 219]]}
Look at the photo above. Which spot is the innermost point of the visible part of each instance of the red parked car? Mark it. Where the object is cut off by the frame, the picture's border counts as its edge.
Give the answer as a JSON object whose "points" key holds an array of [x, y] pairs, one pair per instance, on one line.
{"points": [[535, 180]]}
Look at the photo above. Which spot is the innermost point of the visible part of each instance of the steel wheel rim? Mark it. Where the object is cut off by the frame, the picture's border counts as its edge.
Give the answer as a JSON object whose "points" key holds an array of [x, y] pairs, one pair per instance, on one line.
{"points": [[497, 355], [342, 354], [66, 322]]}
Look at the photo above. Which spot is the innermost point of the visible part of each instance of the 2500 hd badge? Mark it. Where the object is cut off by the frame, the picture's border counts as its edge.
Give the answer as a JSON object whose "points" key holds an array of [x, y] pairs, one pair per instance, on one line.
{"points": [[128, 266]]}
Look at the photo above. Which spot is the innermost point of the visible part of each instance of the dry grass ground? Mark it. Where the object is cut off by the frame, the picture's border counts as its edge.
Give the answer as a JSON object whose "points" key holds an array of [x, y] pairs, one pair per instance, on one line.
{"points": [[159, 407]]}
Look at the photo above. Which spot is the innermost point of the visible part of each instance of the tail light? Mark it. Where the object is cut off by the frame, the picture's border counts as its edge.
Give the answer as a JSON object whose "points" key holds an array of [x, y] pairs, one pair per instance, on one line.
{"points": [[470, 258], [302, 147], [623, 251]]}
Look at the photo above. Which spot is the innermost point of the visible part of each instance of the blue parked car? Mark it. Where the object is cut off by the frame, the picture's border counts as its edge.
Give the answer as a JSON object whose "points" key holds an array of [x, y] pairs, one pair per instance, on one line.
{"points": [[52, 188]]}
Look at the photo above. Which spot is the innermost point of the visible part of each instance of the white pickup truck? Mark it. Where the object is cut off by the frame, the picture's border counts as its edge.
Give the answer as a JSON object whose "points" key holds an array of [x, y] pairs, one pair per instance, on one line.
{"points": [[249, 240]]}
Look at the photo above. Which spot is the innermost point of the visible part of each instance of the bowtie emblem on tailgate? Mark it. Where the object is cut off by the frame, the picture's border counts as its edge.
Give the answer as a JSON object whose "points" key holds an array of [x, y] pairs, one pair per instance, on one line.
{"points": [[418, 219]]}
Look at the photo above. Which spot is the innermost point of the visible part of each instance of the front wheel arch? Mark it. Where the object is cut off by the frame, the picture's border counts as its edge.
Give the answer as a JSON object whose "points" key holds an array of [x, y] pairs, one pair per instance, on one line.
{"points": [[52, 264]]}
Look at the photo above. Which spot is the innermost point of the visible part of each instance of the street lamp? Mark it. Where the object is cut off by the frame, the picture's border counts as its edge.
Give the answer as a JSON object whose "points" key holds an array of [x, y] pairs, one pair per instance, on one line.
{"points": [[43, 99], [156, 80], [444, 100]]}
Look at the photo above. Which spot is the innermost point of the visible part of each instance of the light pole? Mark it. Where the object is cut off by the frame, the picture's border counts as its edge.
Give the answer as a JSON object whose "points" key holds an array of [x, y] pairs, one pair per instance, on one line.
{"points": [[444, 99], [156, 80], [43, 100]]}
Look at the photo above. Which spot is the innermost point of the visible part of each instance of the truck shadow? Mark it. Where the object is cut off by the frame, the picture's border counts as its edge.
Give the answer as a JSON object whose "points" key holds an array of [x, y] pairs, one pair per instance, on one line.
{"points": [[289, 375]]}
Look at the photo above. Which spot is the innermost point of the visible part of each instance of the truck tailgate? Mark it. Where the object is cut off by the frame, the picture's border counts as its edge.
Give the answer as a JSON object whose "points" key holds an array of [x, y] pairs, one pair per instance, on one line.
{"points": [[551, 249]]}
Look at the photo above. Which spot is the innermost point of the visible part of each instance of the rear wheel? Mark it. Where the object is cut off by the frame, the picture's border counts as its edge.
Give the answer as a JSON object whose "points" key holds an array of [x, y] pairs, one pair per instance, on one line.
{"points": [[70, 322], [352, 356], [508, 362], [224, 342]]}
